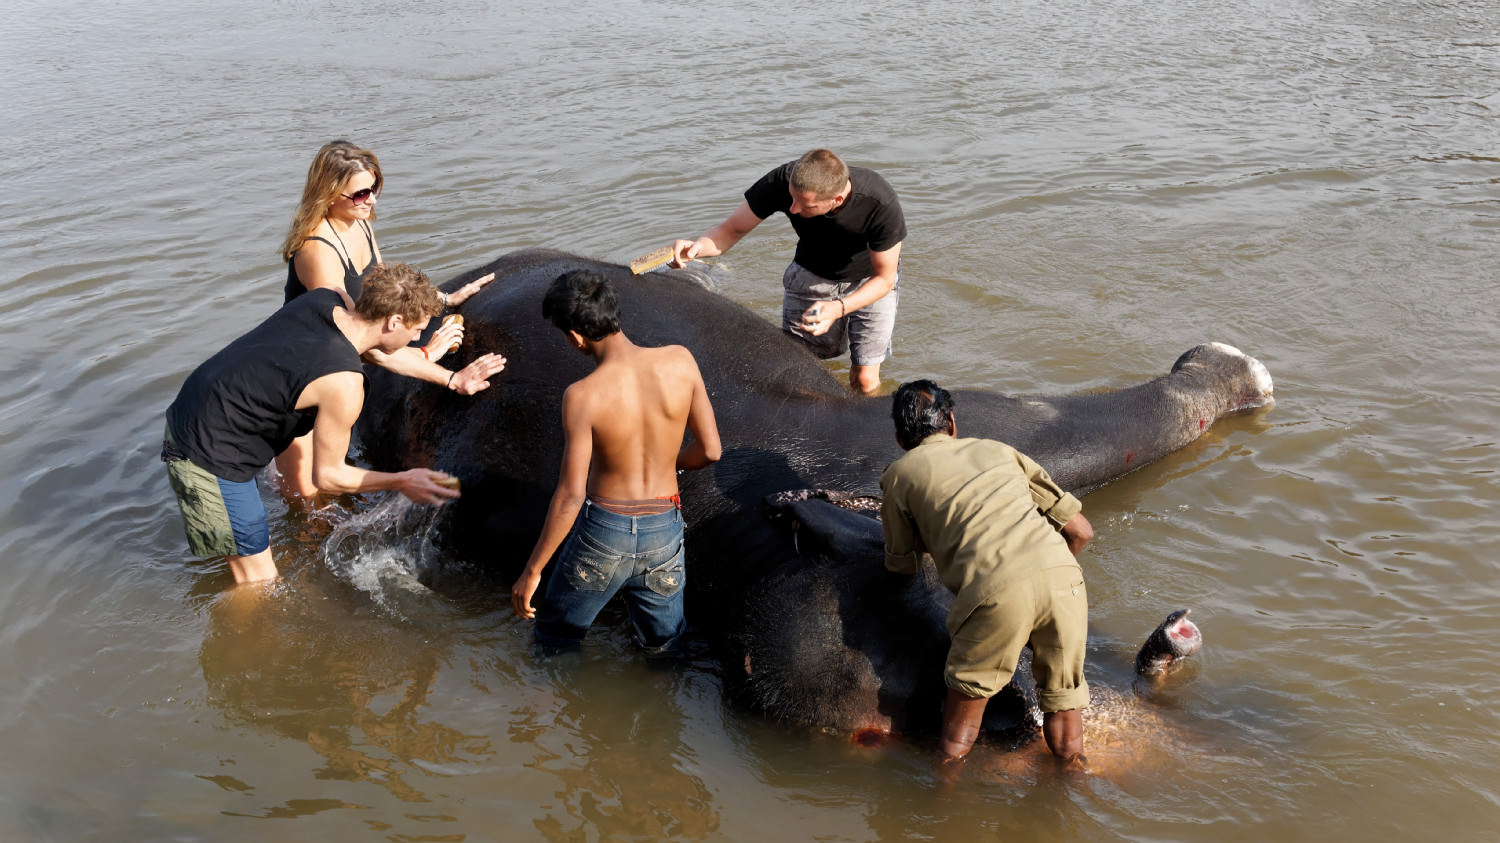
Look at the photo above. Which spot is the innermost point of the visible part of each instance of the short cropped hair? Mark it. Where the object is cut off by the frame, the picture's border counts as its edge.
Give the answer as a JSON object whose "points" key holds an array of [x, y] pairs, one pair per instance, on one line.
{"points": [[398, 289], [583, 300], [821, 172], [920, 409]]}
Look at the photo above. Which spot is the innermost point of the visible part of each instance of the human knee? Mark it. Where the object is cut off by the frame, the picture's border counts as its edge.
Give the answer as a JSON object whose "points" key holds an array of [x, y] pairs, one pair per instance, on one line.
{"points": [[865, 380], [258, 567], [962, 716], [295, 467], [656, 646], [1063, 731]]}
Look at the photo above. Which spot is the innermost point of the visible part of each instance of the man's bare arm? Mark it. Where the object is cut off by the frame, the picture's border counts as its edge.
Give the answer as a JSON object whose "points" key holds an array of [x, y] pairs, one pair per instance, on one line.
{"points": [[717, 240], [885, 266], [820, 316], [339, 397], [572, 489], [705, 447]]}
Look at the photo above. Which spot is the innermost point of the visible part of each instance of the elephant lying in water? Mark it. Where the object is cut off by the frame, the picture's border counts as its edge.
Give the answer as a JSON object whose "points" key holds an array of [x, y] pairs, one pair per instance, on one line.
{"points": [[785, 422], [833, 640]]}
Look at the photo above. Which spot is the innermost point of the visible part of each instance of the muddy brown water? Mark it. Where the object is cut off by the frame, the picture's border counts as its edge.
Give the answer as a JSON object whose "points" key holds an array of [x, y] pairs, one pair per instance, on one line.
{"points": [[1090, 188]]}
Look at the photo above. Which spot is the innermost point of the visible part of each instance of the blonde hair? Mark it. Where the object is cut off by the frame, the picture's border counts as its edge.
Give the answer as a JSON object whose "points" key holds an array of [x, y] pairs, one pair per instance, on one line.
{"points": [[398, 289], [331, 169], [821, 172]]}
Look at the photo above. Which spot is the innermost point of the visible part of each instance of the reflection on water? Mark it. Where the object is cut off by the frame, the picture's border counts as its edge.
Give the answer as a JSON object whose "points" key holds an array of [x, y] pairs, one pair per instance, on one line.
{"points": [[351, 675], [1091, 188], [645, 793], [353, 688]]}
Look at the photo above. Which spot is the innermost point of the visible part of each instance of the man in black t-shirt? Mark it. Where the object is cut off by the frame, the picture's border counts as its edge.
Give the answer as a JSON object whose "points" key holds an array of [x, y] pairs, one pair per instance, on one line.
{"points": [[296, 372], [841, 288]]}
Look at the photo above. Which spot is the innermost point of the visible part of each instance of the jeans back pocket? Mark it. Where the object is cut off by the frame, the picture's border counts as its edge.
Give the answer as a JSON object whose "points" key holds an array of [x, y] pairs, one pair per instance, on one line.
{"points": [[668, 578]]}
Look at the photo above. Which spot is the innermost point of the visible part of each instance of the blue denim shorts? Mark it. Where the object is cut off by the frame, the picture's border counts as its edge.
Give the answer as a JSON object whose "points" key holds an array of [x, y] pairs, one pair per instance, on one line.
{"points": [[606, 553]]}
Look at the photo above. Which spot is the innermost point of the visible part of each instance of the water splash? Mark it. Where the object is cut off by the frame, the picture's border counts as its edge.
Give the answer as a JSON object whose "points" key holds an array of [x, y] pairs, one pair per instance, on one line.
{"points": [[385, 550]]}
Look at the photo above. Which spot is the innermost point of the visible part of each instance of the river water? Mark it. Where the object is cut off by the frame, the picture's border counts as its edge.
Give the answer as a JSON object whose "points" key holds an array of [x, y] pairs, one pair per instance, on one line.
{"points": [[1091, 188]]}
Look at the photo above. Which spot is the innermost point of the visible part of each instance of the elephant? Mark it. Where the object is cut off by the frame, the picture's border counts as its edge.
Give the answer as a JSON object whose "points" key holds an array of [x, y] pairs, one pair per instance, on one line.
{"points": [[785, 423], [834, 641]]}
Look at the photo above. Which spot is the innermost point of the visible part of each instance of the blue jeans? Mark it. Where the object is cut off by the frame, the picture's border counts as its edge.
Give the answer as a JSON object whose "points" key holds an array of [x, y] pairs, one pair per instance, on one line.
{"points": [[641, 555]]}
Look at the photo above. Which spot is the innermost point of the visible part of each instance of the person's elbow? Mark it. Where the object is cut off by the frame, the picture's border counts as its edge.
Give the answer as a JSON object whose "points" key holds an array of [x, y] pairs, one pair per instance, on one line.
{"points": [[713, 452], [699, 454], [901, 562], [1078, 532], [330, 480], [325, 481]]}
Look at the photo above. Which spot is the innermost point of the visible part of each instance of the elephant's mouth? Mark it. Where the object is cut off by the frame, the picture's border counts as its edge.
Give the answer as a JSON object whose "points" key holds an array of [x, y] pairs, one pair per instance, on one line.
{"points": [[873, 736], [1186, 639]]}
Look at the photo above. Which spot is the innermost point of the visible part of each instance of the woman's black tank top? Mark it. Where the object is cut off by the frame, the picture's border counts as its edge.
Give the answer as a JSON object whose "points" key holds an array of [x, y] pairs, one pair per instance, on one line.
{"points": [[353, 279]]}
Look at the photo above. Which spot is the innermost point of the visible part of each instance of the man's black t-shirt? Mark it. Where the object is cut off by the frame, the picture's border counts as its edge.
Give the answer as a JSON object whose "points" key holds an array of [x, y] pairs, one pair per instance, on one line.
{"points": [[837, 245]]}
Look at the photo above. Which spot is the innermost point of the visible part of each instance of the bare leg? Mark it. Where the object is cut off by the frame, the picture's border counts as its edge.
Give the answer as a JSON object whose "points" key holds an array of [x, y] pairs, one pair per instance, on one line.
{"points": [[865, 379], [254, 568], [1064, 733], [295, 465], [961, 717]]}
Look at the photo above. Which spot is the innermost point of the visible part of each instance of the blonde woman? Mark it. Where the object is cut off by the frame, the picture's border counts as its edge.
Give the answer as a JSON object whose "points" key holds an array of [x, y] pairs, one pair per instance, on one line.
{"points": [[332, 244]]}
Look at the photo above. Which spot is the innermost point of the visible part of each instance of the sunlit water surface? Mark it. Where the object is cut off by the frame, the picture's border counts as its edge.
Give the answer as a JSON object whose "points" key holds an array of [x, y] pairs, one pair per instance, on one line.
{"points": [[1091, 189]]}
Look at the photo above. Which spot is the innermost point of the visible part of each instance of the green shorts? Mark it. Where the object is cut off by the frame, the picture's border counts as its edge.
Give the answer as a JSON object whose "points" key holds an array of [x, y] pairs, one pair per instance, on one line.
{"points": [[222, 517], [1048, 610]]}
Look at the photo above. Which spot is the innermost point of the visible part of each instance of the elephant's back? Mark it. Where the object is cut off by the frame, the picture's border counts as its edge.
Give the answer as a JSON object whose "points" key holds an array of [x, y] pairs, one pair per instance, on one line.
{"points": [[738, 351]]}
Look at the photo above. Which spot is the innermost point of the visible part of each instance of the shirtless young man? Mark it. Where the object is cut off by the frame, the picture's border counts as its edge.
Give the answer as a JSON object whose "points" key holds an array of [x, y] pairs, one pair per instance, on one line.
{"points": [[617, 503], [296, 372]]}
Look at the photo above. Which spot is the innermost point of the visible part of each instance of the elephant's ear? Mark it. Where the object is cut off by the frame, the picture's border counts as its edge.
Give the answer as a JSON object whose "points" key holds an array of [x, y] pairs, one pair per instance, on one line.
{"points": [[839, 525]]}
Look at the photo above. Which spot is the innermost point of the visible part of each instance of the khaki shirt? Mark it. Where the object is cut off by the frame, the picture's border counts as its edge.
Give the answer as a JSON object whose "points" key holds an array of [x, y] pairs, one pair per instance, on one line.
{"points": [[987, 513]]}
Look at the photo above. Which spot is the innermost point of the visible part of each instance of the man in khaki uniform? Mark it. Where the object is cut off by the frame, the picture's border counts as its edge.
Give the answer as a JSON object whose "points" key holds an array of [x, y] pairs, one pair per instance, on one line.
{"points": [[1004, 538]]}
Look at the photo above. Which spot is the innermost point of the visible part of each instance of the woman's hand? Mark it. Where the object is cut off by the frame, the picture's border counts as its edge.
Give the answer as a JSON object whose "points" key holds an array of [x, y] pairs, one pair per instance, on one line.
{"points": [[464, 293]]}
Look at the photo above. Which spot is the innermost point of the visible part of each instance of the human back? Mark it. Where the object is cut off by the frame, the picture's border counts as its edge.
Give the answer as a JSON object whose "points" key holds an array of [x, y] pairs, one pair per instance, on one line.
{"points": [[615, 523], [978, 505], [637, 404]]}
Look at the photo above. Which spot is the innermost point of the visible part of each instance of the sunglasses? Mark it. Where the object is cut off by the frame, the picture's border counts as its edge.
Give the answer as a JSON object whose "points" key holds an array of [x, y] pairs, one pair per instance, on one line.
{"points": [[360, 197]]}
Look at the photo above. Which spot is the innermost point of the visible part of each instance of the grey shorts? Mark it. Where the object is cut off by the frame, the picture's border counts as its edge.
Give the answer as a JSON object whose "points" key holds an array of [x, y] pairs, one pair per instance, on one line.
{"points": [[865, 333]]}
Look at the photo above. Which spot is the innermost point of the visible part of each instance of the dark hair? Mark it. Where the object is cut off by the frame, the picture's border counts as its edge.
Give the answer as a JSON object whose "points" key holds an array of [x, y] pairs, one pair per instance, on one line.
{"points": [[920, 409], [583, 300]]}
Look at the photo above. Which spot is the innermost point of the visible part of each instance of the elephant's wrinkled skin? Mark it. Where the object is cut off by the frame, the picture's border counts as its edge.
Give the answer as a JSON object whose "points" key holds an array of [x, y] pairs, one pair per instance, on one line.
{"points": [[786, 423], [834, 641]]}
